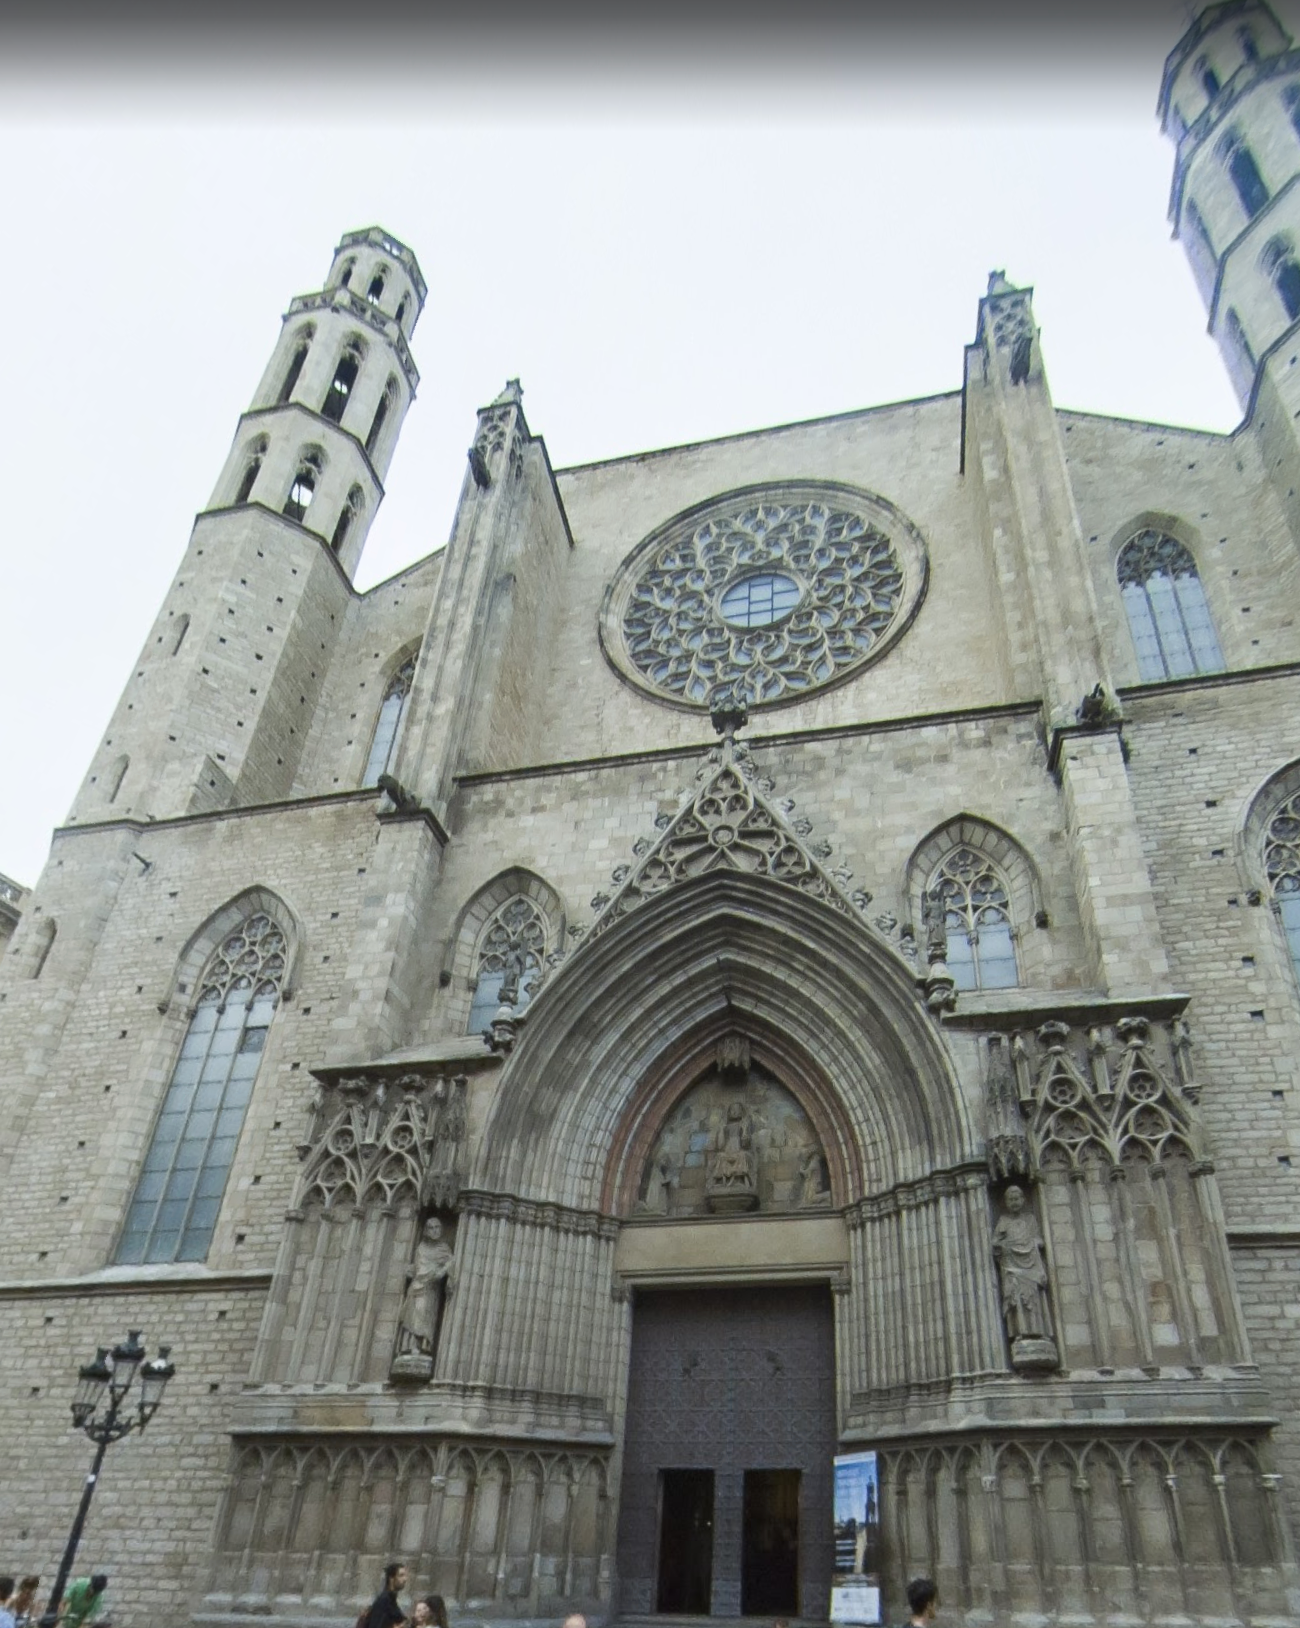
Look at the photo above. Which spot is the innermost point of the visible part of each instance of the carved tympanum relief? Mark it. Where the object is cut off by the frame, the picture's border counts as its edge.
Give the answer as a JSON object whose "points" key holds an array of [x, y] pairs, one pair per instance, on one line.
{"points": [[765, 593], [737, 1142]]}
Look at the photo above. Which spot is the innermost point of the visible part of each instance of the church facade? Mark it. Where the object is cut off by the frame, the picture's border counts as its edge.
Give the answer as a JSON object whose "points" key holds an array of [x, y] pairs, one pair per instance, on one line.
{"points": [[774, 948]]}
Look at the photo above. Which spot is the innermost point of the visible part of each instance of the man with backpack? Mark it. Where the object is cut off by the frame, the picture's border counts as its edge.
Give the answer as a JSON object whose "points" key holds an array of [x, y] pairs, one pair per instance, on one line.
{"points": [[386, 1611]]}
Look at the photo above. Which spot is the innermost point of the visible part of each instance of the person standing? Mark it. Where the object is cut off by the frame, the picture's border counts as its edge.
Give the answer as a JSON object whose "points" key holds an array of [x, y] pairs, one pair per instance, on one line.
{"points": [[430, 1612], [922, 1601], [23, 1604], [386, 1610], [83, 1599], [6, 1602]]}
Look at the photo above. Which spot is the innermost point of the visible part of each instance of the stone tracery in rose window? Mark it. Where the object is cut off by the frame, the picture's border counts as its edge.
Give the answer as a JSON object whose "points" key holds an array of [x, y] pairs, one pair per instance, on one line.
{"points": [[764, 595]]}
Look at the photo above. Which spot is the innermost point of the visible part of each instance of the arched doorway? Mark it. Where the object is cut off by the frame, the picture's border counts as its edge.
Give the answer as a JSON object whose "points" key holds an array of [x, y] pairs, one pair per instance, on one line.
{"points": [[590, 1265]]}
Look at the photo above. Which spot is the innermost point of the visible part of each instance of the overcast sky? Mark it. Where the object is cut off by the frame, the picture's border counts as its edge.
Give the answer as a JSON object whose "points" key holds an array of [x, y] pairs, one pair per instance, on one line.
{"points": [[667, 233]]}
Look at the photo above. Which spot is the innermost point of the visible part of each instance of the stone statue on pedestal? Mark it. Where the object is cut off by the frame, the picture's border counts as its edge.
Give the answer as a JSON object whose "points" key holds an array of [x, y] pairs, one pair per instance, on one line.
{"points": [[1022, 1268], [813, 1191], [660, 1179], [732, 1182], [420, 1318]]}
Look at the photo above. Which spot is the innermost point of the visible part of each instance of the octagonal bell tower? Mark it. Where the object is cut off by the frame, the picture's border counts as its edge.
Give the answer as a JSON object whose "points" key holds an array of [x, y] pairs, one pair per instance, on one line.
{"points": [[220, 701], [317, 439], [1230, 101]]}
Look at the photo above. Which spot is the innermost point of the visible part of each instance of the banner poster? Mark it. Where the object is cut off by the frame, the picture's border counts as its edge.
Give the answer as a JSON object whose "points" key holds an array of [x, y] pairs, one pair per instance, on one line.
{"points": [[855, 1586]]}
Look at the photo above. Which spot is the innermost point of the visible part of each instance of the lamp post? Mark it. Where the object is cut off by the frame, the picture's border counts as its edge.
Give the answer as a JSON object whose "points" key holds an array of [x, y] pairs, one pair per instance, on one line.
{"points": [[111, 1374]]}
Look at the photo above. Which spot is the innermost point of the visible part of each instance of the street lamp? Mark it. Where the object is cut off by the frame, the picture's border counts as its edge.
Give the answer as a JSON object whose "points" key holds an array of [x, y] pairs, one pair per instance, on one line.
{"points": [[111, 1374]]}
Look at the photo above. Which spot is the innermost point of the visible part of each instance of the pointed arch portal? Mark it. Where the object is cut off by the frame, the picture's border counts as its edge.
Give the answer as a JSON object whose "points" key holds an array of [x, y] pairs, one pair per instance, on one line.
{"points": [[786, 1046], [630, 1019]]}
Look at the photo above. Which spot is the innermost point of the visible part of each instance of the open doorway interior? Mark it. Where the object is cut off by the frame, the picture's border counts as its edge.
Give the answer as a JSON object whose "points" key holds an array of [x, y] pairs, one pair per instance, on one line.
{"points": [[769, 1562], [685, 1543]]}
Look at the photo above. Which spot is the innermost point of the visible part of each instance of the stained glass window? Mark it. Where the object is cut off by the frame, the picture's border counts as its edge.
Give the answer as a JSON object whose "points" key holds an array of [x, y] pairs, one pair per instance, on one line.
{"points": [[1167, 610], [981, 946], [392, 714], [760, 600], [512, 944], [178, 1196]]}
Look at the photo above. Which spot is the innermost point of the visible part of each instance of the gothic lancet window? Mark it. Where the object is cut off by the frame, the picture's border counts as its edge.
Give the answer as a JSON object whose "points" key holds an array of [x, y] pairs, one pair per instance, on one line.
{"points": [[511, 949], [1237, 333], [1245, 175], [1197, 222], [303, 488], [381, 413], [392, 713], [981, 945], [1280, 264], [345, 376], [295, 364], [178, 1196], [1282, 867], [253, 468], [251, 471], [347, 515], [1167, 610]]}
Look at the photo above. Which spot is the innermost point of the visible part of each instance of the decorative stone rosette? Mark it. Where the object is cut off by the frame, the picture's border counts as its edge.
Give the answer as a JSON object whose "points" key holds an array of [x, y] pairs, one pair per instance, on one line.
{"points": [[764, 594]]}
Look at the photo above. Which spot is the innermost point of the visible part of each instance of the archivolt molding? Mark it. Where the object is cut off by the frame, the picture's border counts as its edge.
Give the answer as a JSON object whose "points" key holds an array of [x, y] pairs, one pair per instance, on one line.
{"points": [[824, 1002], [217, 928]]}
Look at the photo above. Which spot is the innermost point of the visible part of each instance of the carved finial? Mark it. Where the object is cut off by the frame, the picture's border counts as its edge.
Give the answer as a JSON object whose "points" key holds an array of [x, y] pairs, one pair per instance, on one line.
{"points": [[1005, 1137], [726, 713], [500, 1037], [733, 1057], [511, 396], [998, 284]]}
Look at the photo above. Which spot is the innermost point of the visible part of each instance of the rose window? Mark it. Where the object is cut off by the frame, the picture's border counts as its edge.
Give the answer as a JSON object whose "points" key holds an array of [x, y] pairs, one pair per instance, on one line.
{"points": [[763, 595]]}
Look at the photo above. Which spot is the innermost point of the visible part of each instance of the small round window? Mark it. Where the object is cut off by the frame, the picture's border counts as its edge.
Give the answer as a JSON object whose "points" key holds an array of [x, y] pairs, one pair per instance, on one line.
{"points": [[759, 600]]}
